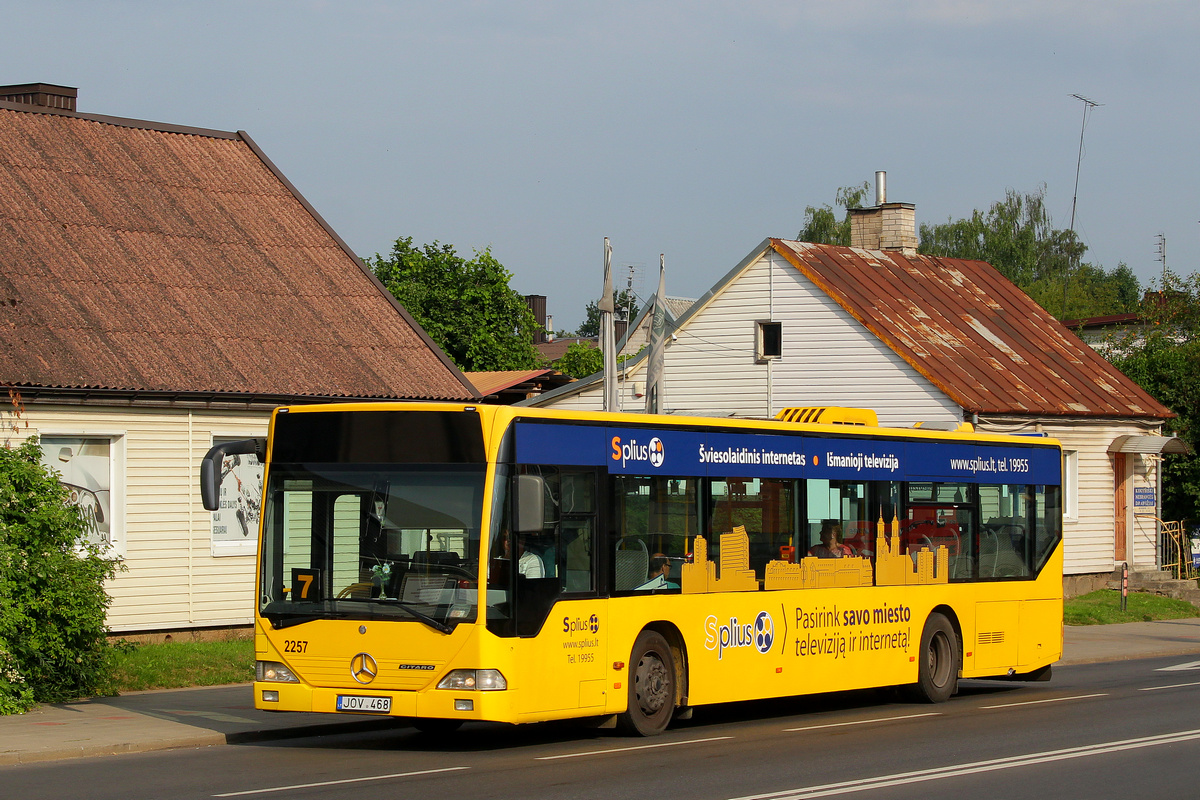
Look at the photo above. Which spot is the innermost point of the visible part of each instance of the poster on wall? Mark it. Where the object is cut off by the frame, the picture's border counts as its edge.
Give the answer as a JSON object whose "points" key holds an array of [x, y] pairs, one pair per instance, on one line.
{"points": [[235, 523], [84, 465]]}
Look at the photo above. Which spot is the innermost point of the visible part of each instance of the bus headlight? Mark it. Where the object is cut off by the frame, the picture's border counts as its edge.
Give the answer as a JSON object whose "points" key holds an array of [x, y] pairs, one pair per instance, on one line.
{"points": [[274, 671], [474, 680]]}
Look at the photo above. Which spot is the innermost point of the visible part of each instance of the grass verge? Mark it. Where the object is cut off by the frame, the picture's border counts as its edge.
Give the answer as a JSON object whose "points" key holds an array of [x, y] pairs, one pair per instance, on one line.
{"points": [[1104, 608], [174, 665]]}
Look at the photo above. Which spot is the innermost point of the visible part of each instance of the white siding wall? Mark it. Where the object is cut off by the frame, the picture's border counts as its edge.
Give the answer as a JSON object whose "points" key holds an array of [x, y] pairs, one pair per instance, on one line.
{"points": [[1089, 538], [710, 369], [828, 358], [171, 580]]}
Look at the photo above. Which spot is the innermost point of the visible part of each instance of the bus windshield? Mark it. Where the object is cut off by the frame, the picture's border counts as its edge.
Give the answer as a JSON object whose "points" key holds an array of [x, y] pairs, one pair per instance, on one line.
{"points": [[397, 542]]}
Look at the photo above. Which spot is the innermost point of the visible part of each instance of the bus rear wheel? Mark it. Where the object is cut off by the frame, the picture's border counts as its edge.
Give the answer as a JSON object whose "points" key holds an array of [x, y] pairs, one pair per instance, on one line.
{"points": [[651, 686], [937, 662]]}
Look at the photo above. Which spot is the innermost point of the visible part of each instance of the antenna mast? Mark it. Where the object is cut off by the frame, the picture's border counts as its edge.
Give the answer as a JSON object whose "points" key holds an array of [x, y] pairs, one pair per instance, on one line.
{"points": [[1088, 105], [1161, 247]]}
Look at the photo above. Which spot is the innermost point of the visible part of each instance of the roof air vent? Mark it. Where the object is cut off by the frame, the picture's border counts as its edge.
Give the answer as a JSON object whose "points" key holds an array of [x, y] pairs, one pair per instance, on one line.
{"points": [[830, 415]]}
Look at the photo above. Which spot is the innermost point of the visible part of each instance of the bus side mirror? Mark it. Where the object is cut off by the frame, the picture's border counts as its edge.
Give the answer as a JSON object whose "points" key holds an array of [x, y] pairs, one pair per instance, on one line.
{"points": [[531, 503], [210, 467]]}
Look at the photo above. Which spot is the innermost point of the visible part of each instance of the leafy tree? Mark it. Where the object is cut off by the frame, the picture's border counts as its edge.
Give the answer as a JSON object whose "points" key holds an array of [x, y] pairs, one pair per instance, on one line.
{"points": [[626, 309], [580, 360], [1164, 359], [53, 640], [1091, 292], [466, 306], [821, 224], [1017, 236]]}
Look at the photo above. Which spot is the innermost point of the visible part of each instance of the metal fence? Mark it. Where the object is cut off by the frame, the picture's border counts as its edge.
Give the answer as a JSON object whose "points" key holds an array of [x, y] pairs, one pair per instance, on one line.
{"points": [[1177, 549]]}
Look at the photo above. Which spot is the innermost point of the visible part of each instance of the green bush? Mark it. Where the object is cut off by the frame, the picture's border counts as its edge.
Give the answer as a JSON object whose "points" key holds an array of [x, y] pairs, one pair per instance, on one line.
{"points": [[53, 640], [580, 360]]}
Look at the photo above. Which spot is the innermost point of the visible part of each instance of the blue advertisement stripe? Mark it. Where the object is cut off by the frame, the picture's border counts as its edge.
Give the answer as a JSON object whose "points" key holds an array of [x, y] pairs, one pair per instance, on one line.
{"points": [[652, 451]]}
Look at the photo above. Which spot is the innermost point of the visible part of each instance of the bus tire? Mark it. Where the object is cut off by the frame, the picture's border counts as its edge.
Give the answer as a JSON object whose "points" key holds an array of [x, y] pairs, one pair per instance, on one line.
{"points": [[937, 662], [651, 686]]}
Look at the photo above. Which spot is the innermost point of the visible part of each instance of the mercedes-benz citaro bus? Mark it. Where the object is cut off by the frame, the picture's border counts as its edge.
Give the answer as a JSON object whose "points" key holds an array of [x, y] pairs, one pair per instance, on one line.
{"points": [[461, 562]]}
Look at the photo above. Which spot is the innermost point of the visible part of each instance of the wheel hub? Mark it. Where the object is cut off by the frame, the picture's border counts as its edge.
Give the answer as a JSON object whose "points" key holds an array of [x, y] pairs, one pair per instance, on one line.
{"points": [[651, 684]]}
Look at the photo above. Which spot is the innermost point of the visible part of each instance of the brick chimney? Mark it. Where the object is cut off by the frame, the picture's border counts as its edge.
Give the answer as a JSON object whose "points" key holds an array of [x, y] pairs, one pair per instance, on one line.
{"points": [[537, 304], [884, 226], [46, 95]]}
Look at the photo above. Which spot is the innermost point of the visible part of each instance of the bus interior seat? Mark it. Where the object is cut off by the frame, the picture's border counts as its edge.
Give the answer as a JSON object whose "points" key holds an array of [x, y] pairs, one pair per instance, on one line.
{"points": [[997, 556], [632, 566], [446, 557]]}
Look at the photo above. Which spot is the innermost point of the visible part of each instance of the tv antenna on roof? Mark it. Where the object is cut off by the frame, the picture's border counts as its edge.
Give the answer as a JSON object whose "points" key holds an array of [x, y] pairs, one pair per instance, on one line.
{"points": [[1161, 251], [1088, 105]]}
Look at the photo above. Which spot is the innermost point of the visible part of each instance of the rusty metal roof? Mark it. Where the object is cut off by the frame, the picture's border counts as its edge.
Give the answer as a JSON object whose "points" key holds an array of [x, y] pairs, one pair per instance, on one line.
{"points": [[144, 257], [972, 333], [491, 382]]}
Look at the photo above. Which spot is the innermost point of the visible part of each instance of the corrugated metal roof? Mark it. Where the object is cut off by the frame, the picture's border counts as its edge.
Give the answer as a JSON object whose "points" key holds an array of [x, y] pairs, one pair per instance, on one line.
{"points": [[491, 382], [156, 259], [971, 332]]}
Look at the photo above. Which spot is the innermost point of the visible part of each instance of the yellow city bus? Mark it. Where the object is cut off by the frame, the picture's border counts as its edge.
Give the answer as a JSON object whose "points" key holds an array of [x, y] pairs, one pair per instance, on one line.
{"points": [[453, 562]]}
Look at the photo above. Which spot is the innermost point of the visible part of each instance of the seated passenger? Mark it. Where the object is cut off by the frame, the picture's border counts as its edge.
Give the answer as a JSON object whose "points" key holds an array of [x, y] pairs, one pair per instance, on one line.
{"points": [[660, 573], [528, 564], [831, 542]]}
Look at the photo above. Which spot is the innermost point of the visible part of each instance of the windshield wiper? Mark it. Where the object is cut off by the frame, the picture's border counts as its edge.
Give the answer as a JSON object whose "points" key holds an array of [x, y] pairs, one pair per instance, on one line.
{"points": [[290, 617], [437, 625], [281, 621]]}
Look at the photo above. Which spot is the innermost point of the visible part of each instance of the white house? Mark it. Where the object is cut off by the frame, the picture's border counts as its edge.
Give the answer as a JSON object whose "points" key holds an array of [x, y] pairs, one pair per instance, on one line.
{"points": [[163, 288], [918, 339]]}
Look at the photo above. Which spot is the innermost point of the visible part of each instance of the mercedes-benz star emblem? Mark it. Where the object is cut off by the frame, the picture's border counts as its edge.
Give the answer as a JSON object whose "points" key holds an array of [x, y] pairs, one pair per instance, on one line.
{"points": [[363, 668]]}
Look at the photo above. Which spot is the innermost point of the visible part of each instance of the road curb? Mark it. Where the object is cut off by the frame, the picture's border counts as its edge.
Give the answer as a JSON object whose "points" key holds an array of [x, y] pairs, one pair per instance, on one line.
{"points": [[10, 759], [210, 739], [1182, 650]]}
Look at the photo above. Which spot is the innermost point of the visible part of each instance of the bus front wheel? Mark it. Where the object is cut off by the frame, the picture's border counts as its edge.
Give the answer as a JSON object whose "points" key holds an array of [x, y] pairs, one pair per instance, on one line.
{"points": [[651, 686], [937, 661]]}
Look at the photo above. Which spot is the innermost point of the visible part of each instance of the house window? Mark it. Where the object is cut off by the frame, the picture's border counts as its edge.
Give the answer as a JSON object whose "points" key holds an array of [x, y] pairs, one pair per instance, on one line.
{"points": [[86, 465], [1070, 484], [768, 341], [235, 523]]}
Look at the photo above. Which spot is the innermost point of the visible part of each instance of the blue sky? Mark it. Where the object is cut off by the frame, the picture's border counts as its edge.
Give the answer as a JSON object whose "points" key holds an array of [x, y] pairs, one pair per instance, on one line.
{"points": [[690, 129]]}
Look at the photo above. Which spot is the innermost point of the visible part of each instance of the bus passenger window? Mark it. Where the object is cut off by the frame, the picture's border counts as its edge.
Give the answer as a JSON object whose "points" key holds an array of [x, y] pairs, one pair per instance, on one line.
{"points": [[765, 507], [1047, 523], [1005, 540], [942, 515], [654, 520], [842, 504]]}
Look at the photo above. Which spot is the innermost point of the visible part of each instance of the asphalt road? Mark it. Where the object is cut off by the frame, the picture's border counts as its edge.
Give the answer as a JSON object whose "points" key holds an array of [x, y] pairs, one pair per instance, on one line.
{"points": [[1114, 730]]}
